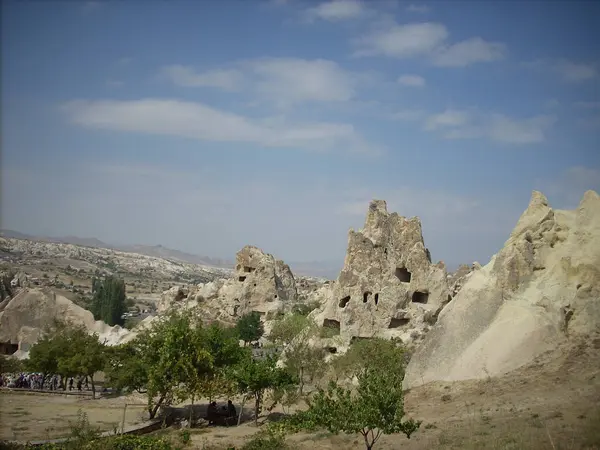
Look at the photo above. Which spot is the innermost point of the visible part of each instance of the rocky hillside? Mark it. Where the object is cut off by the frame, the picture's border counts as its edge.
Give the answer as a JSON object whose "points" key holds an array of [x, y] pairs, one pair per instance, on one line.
{"points": [[107, 261], [538, 293]]}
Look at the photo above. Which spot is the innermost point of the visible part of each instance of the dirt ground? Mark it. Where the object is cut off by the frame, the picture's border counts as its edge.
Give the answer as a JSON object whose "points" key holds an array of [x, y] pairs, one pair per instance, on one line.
{"points": [[552, 404], [27, 416]]}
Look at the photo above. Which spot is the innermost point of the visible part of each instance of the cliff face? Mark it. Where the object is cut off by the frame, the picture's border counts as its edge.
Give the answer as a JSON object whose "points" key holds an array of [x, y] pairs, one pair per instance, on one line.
{"points": [[542, 288], [388, 287]]}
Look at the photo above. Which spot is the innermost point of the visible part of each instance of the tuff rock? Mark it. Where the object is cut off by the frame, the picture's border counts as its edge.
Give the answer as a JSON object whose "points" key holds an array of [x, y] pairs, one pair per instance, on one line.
{"points": [[539, 291], [388, 286], [260, 283]]}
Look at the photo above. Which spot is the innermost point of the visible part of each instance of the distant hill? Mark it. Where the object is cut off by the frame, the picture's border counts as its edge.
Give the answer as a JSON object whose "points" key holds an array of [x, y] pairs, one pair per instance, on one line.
{"points": [[324, 269], [148, 250], [169, 253]]}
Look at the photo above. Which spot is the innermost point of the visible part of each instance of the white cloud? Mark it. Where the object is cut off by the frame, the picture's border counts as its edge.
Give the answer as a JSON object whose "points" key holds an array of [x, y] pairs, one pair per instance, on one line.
{"points": [[575, 72], [421, 9], [568, 188], [524, 131], [114, 83], [402, 41], [469, 51], [295, 80], [427, 39], [587, 105], [228, 80], [202, 122], [412, 80], [457, 124], [337, 10], [448, 118], [407, 115], [569, 71]]}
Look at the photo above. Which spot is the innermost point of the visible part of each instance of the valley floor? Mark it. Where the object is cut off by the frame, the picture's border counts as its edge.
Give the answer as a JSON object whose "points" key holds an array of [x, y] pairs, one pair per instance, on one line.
{"points": [[552, 404]]}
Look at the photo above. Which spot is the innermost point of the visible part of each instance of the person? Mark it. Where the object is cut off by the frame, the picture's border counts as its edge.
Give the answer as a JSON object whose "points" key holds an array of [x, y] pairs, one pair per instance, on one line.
{"points": [[212, 413], [79, 383], [231, 412], [71, 384]]}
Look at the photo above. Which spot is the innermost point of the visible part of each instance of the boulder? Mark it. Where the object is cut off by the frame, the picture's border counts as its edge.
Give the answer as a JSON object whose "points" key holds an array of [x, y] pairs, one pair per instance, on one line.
{"points": [[388, 286], [32, 311], [540, 290]]}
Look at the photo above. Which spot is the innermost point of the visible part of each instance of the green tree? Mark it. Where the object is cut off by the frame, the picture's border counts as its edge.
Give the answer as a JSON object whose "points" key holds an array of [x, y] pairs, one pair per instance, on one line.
{"points": [[253, 377], [250, 327], [374, 408], [10, 365], [162, 359], [69, 351], [302, 358], [109, 300], [83, 355]]}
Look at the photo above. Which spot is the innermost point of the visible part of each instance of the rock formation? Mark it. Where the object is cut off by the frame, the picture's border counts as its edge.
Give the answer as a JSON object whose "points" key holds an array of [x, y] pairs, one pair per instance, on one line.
{"points": [[260, 283], [25, 317], [542, 288], [388, 286]]}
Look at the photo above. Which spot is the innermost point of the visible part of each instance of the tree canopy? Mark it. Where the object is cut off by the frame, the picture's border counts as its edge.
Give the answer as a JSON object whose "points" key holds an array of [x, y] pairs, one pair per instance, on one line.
{"points": [[109, 301], [250, 327], [374, 408]]}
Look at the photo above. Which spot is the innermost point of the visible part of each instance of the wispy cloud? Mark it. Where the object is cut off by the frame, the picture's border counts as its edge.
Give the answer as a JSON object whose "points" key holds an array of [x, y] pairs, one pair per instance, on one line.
{"points": [[407, 115], [411, 80], [296, 80], [280, 81], [469, 51], [568, 188], [569, 71], [427, 39], [90, 6], [421, 9], [228, 80], [202, 122], [448, 118], [337, 10], [457, 124], [402, 41], [587, 105]]}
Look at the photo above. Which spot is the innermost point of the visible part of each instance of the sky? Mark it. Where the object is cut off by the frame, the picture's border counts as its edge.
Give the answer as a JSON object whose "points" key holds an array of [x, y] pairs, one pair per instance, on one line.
{"points": [[205, 126]]}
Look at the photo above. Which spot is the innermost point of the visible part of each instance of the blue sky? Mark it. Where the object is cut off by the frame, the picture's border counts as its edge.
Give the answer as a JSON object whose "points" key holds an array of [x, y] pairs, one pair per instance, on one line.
{"points": [[208, 125]]}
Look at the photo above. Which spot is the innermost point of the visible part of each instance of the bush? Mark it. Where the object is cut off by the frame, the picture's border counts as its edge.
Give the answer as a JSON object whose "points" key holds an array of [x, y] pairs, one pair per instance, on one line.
{"points": [[266, 440]]}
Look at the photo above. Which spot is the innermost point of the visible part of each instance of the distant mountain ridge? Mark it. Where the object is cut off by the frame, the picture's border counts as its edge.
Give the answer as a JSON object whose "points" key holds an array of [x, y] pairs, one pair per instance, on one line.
{"points": [[148, 250]]}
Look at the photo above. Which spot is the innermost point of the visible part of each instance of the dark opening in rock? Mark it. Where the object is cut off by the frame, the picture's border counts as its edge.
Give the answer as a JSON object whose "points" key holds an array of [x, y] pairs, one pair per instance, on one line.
{"points": [[6, 348], [449, 297], [275, 295], [332, 325], [376, 298], [402, 274], [396, 323], [332, 349], [366, 296], [242, 278], [420, 297], [249, 269], [344, 301]]}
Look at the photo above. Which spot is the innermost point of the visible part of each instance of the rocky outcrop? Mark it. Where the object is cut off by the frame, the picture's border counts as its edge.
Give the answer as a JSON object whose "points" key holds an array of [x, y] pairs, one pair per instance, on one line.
{"points": [[260, 283], [542, 288], [26, 316], [388, 287]]}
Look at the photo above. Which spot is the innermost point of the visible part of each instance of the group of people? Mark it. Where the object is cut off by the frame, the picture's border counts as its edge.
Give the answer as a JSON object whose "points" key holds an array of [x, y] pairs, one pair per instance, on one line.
{"points": [[38, 381], [226, 414]]}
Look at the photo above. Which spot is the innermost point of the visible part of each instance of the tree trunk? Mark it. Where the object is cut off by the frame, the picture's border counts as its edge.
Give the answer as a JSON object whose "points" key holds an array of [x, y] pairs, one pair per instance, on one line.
{"points": [[301, 379], [152, 410], [93, 386], [241, 410], [192, 411], [256, 408]]}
